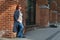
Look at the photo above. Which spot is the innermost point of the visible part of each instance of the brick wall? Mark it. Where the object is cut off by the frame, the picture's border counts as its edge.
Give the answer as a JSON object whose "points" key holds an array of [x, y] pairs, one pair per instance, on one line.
{"points": [[6, 16], [37, 15], [58, 8], [58, 17], [42, 14], [44, 17], [42, 2], [7, 8], [53, 12]]}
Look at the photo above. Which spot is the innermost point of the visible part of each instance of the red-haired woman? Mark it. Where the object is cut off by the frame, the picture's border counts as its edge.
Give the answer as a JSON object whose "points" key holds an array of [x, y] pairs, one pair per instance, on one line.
{"points": [[18, 25]]}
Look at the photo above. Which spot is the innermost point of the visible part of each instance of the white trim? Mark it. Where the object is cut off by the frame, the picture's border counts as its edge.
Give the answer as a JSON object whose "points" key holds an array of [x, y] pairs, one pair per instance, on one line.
{"points": [[44, 6], [53, 24], [48, 23], [55, 11]]}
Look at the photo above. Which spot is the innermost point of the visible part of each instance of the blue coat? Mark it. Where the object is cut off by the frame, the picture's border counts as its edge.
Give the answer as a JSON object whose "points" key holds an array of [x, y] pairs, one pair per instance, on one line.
{"points": [[16, 16]]}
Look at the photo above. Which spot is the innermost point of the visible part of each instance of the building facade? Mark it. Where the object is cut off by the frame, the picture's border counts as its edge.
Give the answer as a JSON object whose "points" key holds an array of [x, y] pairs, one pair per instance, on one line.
{"points": [[40, 13]]}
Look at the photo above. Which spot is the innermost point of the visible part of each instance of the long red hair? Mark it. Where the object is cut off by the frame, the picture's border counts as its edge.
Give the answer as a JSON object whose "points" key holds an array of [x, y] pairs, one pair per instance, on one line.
{"points": [[17, 7]]}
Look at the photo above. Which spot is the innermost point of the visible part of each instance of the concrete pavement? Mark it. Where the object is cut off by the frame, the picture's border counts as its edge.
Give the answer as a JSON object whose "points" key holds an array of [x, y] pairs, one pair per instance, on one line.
{"points": [[40, 34], [44, 34]]}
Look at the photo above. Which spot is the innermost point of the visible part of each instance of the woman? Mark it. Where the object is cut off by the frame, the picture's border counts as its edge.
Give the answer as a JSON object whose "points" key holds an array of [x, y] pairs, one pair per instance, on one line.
{"points": [[18, 25]]}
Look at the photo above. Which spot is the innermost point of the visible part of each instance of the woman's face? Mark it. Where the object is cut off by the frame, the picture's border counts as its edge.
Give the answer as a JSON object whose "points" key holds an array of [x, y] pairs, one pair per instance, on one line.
{"points": [[20, 7]]}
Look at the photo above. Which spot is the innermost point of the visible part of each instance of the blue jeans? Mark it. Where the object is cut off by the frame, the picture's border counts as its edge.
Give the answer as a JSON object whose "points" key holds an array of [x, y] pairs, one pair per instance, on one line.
{"points": [[20, 30], [18, 27]]}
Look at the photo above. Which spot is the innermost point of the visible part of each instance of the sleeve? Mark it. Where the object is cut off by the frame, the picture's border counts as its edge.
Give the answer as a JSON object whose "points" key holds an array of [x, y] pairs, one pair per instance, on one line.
{"points": [[16, 15]]}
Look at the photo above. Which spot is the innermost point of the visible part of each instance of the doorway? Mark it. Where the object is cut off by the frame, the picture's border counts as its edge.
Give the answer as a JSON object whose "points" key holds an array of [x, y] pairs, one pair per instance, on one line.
{"points": [[31, 12]]}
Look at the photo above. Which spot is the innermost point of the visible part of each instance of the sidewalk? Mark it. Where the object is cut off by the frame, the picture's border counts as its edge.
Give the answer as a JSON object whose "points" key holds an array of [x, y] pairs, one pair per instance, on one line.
{"points": [[40, 34], [44, 34]]}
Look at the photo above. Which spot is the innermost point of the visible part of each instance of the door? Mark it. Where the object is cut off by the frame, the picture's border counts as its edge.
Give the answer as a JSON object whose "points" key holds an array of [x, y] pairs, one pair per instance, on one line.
{"points": [[31, 12]]}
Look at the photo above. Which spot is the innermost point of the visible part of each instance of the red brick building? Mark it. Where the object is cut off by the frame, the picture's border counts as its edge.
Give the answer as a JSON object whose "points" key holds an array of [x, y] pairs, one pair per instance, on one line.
{"points": [[35, 12]]}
